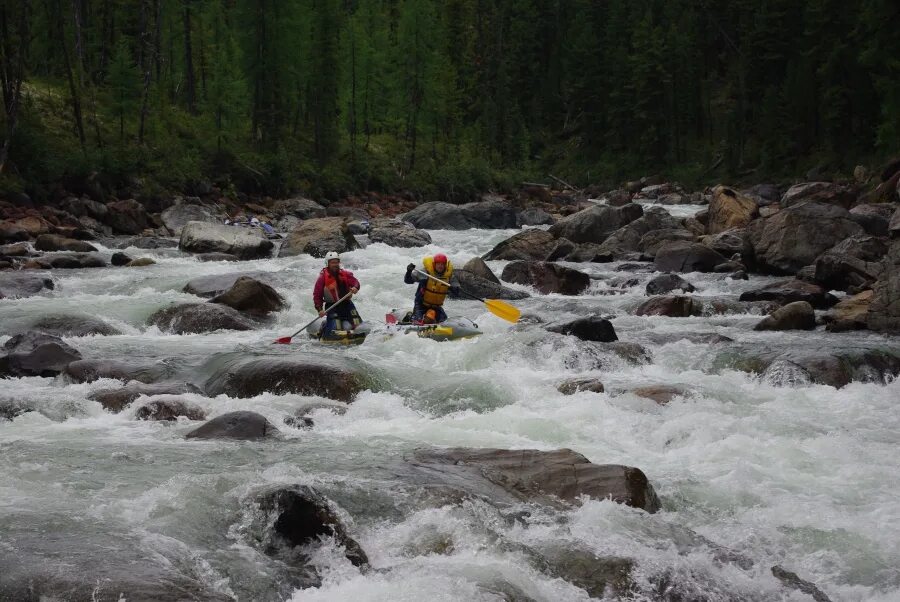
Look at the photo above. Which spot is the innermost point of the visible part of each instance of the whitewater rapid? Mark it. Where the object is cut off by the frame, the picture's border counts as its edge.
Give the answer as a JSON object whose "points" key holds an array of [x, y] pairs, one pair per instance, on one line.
{"points": [[800, 476]]}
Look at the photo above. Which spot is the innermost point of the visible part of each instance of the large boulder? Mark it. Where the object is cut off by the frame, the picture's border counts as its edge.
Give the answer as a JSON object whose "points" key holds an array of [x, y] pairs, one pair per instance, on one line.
{"points": [[854, 263], [73, 325], [16, 285], [55, 242], [318, 236], [251, 297], [398, 234], [89, 370], [593, 328], [235, 425], [798, 315], [169, 409], [492, 214], [438, 215], [216, 284], [684, 256], [788, 291], [127, 217], [525, 245], [198, 317], [546, 277], [673, 306], [729, 209], [239, 375], [874, 218], [176, 217], [820, 192], [651, 242], [477, 266], [534, 217], [10, 232], [729, 242], [792, 238], [299, 207], [475, 285], [596, 223], [666, 283], [851, 313], [546, 477], [884, 312], [628, 239], [115, 400], [84, 207], [35, 353], [246, 243]]}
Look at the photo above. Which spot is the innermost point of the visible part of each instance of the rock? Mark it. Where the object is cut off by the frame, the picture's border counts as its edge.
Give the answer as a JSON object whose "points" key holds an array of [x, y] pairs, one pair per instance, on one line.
{"points": [[299, 515], [18, 249], [576, 385], [73, 325], [478, 267], [693, 226], [535, 476], [888, 191], [798, 315], [700, 338], [299, 207], [119, 259], [769, 210], [127, 217], [216, 284], [602, 577], [729, 267], [666, 283], [115, 400], [486, 289], [729, 209], [674, 198], [534, 217], [654, 239], [874, 218], [54, 242], [788, 291], [820, 192], [168, 410], [10, 232], [673, 306], [235, 425], [439, 216], [398, 234], [546, 277], [729, 242], [629, 237], [661, 394], [795, 236], [593, 328], [35, 353], [65, 262], [596, 223], [683, 256], [739, 275], [852, 263], [85, 371], [526, 245], [239, 375], [198, 317], [17, 285], [81, 207], [33, 226], [492, 214], [216, 257], [850, 314], [251, 297], [884, 312], [246, 243], [318, 236], [147, 242], [176, 217], [894, 225], [140, 262]]}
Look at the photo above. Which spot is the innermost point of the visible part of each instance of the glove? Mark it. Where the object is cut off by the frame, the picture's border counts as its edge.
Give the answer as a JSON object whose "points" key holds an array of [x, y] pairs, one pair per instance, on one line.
{"points": [[410, 268]]}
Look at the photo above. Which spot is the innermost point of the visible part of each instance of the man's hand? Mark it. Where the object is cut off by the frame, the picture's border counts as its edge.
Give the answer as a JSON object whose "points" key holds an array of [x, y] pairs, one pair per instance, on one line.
{"points": [[353, 291], [322, 314], [410, 267]]}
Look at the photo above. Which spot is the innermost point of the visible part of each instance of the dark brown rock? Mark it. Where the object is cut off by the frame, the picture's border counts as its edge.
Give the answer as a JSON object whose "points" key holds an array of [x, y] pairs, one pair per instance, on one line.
{"points": [[788, 291], [546, 277], [54, 242], [127, 217], [798, 315], [93, 369], [168, 410], [576, 385], [251, 297], [526, 245], [235, 425], [683, 256], [115, 400], [661, 394], [36, 354], [673, 306], [198, 317], [666, 283], [593, 328], [596, 223]]}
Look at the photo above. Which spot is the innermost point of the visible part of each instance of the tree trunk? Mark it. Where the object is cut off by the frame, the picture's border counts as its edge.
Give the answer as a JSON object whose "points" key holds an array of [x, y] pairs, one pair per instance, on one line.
{"points": [[190, 87], [70, 75], [145, 64], [12, 76], [353, 99]]}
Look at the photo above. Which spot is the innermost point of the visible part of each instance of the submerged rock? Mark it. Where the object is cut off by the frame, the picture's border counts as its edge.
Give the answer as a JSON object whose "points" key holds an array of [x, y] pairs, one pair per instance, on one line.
{"points": [[16, 285], [246, 243], [168, 409], [576, 385], [235, 425], [251, 297], [93, 369], [673, 306], [661, 394], [198, 317], [73, 326], [115, 400], [798, 315], [547, 277], [593, 328], [36, 354]]}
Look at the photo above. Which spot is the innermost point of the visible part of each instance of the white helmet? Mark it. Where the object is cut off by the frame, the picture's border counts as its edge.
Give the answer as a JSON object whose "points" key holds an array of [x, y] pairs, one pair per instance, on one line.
{"points": [[331, 255]]}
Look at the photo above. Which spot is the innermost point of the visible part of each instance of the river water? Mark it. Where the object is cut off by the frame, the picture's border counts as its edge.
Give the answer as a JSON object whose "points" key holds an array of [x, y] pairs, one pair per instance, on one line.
{"points": [[797, 475]]}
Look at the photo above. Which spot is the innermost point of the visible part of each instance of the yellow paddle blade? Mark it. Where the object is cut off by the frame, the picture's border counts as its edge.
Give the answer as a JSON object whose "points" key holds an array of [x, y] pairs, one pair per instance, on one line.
{"points": [[503, 310]]}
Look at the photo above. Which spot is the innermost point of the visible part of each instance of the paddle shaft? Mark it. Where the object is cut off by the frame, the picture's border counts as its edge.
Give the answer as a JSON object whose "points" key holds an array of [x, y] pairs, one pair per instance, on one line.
{"points": [[333, 305]]}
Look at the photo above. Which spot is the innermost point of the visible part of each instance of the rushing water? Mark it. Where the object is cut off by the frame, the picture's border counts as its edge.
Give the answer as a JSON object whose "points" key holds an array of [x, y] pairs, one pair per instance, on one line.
{"points": [[799, 476]]}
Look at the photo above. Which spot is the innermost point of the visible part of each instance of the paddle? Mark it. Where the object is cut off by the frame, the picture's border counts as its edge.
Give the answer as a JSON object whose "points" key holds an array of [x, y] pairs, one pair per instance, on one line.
{"points": [[499, 308], [287, 340]]}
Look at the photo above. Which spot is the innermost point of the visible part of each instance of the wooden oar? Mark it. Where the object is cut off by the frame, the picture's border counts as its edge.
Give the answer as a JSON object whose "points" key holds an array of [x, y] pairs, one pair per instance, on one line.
{"points": [[287, 340], [499, 308]]}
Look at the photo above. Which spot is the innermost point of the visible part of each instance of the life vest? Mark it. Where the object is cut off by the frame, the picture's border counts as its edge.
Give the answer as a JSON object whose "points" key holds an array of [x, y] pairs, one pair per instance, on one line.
{"points": [[434, 293], [335, 288]]}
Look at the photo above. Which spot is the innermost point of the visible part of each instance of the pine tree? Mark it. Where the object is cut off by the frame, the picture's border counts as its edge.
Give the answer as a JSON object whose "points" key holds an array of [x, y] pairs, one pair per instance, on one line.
{"points": [[123, 82]]}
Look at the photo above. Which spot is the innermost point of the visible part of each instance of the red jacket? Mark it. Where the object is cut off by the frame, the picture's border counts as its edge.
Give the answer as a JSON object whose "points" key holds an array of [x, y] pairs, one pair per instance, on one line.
{"points": [[329, 289]]}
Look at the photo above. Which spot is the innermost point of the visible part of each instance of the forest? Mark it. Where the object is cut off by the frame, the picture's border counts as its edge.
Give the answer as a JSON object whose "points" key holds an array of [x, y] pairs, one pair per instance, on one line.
{"points": [[444, 98]]}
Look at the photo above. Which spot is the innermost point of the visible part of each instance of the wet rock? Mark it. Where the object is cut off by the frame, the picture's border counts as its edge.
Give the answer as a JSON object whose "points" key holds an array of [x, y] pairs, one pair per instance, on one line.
{"points": [[198, 317], [874, 218], [729, 267], [853, 263], [793, 238], [477, 266], [439, 216], [55, 242], [700, 338], [576, 385], [661, 394], [140, 262], [127, 217], [85, 371], [850, 314], [251, 297], [673, 306], [216, 284], [18, 249], [35, 353], [176, 217], [593, 328], [299, 207], [820, 192], [729, 242], [884, 312], [398, 234], [491, 214], [600, 576], [298, 516], [115, 400], [534, 217], [216, 257], [795, 582], [81, 207], [301, 418], [119, 259], [168, 410], [729, 209], [546, 277], [33, 225], [65, 262], [788, 291], [147, 242], [798, 315], [235, 425], [666, 283], [73, 325], [15, 285], [654, 239], [477, 286], [509, 476], [237, 375], [526, 245], [683, 256], [596, 223], [317, 237], [12, 233], [246, 243]]}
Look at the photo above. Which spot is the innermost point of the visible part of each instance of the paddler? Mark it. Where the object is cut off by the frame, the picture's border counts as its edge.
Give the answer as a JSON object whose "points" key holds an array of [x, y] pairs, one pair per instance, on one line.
{"points": [[334, 283], [430, 293]]}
